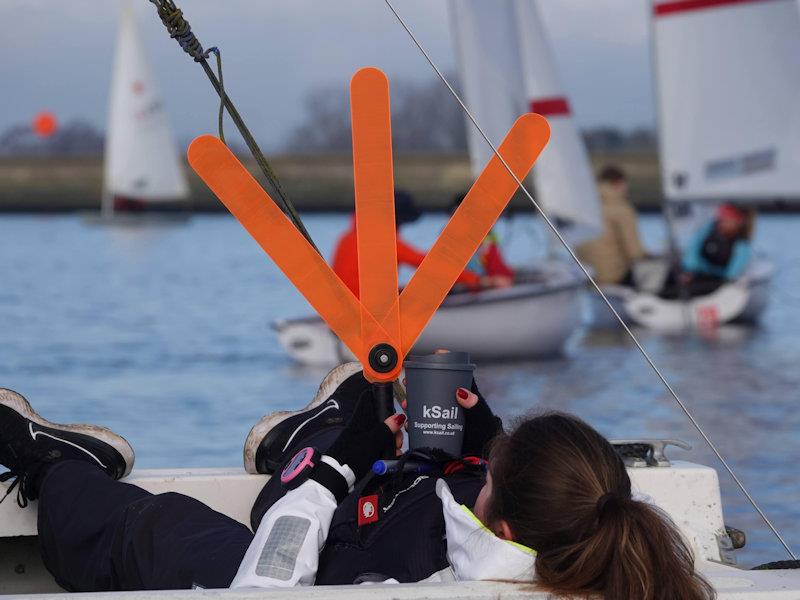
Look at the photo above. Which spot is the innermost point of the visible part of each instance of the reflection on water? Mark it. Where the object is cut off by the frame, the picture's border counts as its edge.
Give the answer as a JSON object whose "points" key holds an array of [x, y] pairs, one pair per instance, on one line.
{"points": [[162, 334]]}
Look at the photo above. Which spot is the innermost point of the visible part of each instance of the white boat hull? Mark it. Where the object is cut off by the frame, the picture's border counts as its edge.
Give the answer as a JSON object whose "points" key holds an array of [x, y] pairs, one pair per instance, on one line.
{"points": [[687, 492], [136, 220], [740, 301], [531, 319]]}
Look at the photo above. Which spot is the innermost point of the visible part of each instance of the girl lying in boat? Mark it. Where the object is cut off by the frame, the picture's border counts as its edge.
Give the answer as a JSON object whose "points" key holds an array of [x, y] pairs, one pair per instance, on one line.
{"points": [[554, 507]]}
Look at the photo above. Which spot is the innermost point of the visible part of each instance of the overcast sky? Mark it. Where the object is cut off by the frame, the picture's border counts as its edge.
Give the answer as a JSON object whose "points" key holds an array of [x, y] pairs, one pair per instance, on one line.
{"points": [[57, 55]]}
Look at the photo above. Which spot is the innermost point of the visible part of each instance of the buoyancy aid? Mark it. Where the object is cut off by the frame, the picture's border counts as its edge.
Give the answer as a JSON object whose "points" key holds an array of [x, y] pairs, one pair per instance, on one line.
{"points": [[400, 528], [393, 527], [717, 249]]}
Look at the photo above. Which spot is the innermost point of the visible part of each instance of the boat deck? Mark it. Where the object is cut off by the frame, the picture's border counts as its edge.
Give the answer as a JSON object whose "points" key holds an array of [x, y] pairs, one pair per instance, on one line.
{"points": [[689, 493]]}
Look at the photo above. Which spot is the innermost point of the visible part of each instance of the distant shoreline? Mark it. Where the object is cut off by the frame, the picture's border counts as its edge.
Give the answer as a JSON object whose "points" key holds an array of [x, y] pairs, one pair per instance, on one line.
{"points": [[318, 183]]}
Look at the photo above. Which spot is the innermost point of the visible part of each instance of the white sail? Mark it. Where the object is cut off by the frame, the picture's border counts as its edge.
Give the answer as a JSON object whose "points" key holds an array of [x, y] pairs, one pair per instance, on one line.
{"points": [[141, 157], [563, 174], [728, 79], [506, 69], [490, 71]]}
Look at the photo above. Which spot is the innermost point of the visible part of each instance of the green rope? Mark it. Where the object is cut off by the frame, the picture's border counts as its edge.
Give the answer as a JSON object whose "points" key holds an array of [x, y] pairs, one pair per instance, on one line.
{"points": [[218, 53]]}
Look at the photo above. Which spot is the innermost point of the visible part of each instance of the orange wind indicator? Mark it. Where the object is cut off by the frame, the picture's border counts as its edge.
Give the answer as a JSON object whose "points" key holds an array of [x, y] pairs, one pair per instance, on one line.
{"points": [[381, 328], [376, 234]]}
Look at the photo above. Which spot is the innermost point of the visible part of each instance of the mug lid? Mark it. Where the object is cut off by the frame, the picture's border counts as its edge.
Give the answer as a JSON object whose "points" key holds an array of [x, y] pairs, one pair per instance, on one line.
{"points": [[454, 361]]}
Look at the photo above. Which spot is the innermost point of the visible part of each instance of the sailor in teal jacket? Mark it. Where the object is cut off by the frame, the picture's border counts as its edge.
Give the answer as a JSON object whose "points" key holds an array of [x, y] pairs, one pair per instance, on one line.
{"points": [[721, 248]]}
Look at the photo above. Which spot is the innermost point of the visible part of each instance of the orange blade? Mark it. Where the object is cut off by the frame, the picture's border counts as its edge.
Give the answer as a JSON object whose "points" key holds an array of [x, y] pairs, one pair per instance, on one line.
{"points": [[469, 225], [278, 237], [374, 194]]}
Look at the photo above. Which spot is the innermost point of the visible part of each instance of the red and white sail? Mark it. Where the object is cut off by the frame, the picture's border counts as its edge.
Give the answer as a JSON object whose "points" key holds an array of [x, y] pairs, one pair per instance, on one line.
{"points": [[506, 69], [728, 81], [141, 157], [563, 175]]}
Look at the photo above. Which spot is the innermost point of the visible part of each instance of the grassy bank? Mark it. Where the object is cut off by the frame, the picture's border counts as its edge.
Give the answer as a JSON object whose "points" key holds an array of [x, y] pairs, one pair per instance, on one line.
{"points": [[314, 183]]}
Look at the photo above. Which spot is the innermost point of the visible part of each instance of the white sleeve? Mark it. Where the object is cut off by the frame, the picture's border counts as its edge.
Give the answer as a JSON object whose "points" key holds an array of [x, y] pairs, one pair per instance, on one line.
{"points": [[285, 549]]}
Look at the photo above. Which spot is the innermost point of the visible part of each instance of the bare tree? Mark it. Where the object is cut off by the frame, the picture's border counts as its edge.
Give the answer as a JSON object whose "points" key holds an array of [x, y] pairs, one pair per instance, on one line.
{"points": [[75, 138], [424, 118], [327, 124]]}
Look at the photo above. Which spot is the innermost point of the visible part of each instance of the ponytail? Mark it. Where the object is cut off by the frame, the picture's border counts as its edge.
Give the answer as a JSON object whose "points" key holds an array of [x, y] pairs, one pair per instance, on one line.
{"points": [[567, 495], [635, 552]]}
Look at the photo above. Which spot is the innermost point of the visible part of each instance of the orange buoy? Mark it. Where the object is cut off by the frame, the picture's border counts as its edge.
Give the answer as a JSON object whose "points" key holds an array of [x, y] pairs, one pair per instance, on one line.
{"points": [[45, 124]]}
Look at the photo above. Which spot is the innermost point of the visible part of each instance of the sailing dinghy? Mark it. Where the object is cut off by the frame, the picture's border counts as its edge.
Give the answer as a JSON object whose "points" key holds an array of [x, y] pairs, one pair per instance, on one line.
{"points": [[728, 91], [533, 318], [506, 69], [143, 179]]}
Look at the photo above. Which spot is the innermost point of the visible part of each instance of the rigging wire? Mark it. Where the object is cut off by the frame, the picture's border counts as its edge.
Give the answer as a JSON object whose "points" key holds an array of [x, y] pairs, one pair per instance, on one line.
{"points": [[591, 280], [180, 30]]}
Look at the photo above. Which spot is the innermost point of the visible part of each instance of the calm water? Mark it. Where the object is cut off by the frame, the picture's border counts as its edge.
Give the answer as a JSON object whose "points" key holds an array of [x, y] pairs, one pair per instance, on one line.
{"points": [[162, 334]]}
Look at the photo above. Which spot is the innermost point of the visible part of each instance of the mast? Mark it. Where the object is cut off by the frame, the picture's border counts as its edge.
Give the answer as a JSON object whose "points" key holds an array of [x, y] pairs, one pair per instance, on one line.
{"points": [[673, 246]]}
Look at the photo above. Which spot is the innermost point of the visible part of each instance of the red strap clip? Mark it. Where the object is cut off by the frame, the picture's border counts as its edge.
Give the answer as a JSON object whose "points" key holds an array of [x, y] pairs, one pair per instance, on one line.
{"points": [[454, 466]]}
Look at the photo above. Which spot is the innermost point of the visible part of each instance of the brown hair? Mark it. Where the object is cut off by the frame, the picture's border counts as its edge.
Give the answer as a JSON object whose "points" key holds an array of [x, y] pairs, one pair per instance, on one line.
{"points": [[611, 174], [564, 491]]}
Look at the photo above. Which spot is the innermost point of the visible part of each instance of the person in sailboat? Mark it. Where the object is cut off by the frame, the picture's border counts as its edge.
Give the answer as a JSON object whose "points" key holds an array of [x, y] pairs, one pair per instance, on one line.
{"points": [[613, 254], [555, 507], [717, 253], [345, 256], [488, 261]]}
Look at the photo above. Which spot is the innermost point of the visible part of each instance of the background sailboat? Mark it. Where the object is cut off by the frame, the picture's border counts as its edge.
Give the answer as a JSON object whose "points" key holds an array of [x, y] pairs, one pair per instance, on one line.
{"points": [[142, 171], [728, 93], [506, 70]]}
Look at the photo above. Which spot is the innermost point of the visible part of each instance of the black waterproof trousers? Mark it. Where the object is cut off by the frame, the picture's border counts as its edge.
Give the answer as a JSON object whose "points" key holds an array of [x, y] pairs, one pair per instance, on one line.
{"points": [[98, 534]]}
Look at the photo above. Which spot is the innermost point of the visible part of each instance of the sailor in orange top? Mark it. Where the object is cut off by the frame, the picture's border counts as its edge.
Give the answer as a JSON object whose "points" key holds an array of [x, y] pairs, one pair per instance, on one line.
{"points": [[345, 257]]}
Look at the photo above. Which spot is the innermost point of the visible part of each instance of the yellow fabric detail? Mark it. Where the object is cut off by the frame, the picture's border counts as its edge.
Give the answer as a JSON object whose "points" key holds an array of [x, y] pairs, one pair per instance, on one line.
{"points": [[480, 524]]}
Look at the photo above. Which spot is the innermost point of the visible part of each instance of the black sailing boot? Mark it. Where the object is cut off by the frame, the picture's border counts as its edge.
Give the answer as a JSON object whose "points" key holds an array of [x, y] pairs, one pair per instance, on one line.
{"points": [[270, 438], [29, 443]]}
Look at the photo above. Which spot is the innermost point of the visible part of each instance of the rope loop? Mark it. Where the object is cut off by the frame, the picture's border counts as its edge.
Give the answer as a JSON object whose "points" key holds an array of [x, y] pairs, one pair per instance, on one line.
{"points": [[220, 117]]}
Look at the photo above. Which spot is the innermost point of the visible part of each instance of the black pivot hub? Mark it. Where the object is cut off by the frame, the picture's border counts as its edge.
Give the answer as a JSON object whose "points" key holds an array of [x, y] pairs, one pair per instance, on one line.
{"points": [[382, 358]]}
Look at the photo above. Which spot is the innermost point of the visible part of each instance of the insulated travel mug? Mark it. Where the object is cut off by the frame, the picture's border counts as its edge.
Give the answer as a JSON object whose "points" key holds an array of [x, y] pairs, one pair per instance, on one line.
{"points": [[435, 419]]}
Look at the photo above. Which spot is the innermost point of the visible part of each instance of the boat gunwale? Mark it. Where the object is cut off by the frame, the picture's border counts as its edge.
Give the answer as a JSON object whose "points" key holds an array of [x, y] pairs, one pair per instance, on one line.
{"points": [[462, 299]]}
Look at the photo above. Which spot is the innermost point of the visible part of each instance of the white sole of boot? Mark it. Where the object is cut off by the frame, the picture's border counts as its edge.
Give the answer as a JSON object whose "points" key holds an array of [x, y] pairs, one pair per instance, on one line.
{"points": [[329, 384], [18, 403]]}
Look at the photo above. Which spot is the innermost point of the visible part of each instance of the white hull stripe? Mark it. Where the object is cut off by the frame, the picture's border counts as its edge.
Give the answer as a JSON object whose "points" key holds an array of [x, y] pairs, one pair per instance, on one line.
{"points": [[63, 441], [331, 404]]}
